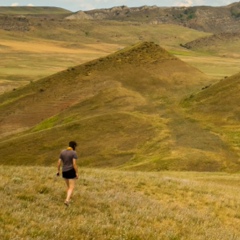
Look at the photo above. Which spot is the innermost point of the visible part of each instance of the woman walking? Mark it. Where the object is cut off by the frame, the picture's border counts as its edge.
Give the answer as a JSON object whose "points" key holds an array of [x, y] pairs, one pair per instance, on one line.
{"points": [[68, 162]]}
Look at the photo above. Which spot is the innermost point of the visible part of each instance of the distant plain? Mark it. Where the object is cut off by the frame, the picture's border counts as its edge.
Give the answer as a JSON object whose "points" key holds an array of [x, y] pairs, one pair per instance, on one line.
{"points": [[32, 55]]}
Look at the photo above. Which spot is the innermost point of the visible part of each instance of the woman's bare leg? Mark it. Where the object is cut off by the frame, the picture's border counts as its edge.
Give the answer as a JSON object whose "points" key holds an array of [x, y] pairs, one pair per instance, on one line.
{"points": [[70, 186]]}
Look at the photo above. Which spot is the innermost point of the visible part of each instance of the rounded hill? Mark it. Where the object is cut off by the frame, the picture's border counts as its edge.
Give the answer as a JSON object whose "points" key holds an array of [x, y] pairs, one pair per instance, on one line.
{"points": [[122, 109]]}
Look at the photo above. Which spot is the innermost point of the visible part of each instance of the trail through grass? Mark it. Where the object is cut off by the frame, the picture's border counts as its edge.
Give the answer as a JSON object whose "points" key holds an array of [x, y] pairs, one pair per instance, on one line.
{"points": [[111, 204]]}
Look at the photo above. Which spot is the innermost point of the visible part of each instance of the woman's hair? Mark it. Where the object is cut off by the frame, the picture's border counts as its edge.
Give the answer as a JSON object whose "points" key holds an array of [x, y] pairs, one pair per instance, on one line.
{"points": [[72, 144]]}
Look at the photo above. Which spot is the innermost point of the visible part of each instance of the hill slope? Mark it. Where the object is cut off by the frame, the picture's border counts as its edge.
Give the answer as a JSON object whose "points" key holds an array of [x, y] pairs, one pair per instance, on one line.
{"points": [[145, 68], [217, 107], [219, 102], [36, 47], [19, 10], [223, 44], [122, 110], [223, 19], [44, 42]]}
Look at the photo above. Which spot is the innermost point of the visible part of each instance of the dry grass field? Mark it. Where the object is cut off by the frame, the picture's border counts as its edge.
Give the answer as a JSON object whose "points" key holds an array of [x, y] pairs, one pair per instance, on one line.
{"points": [[158, 131], [118, 118], [109, 93], [18, 10], [214, 66], [52, 46], [28, 59], [119, 205]]}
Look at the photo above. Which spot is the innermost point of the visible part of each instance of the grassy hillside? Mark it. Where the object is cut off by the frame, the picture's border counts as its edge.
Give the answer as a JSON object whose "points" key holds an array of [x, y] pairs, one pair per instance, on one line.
{"points": [[138, 109], [32, 48], [123, 108], [223, 44], [32, 10], [217, 108], [223, 19], [28, 59], [50, 46], [125, 118], [119, 205], [74, 42], [219, 101], [221, 49]]}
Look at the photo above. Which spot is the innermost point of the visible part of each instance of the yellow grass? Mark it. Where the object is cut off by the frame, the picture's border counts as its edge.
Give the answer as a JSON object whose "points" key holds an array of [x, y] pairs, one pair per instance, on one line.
{"points": [[118, 205], [54, 46], [30, 59], [214, 66]]}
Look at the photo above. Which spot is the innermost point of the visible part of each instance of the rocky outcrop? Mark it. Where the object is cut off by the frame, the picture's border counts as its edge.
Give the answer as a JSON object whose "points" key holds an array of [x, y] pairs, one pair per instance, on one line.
{"points": [[203, 18], [17, 23], [80, 16]]}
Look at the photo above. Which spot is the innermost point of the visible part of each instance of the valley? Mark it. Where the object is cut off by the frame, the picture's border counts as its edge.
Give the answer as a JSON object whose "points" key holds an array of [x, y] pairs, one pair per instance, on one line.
{"points": [[151, 96], [46, 55]]}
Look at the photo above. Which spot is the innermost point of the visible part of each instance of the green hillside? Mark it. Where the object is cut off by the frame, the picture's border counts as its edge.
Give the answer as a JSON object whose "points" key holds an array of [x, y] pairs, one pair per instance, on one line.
{"points": [[219, 101], [154, 108], [38, 47], [223, 44], [122, 110], [39, 41], [218, 109], [32, 10]]}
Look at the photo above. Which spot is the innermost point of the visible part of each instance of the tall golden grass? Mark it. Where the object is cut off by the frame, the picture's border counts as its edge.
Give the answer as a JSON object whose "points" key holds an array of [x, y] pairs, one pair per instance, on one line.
{"points": [[118, 205]]}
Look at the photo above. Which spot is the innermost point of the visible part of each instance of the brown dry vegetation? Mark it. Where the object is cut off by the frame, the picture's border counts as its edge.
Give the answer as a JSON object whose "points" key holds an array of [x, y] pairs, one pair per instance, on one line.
{"points": [[217, 108], [127, 118], [116, 205], [33, 11], [124, 108], [140, 109], [51, 43], [222, 44]]}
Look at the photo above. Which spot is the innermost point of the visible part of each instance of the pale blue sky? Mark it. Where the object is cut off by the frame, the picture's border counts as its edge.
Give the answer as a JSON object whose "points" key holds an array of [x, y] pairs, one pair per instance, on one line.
{"points": [[76, 5]]}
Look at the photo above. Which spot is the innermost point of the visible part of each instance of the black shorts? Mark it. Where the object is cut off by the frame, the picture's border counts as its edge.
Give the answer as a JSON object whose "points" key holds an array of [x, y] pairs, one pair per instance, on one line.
{"points": [[71, 174]]}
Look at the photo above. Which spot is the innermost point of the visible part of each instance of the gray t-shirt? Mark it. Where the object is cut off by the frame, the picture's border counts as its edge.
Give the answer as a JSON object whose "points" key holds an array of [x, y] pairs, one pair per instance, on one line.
{"points": [[67, 157]]}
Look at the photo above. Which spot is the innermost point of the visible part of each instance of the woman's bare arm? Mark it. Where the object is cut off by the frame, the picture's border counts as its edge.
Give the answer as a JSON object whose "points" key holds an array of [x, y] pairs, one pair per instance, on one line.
{"points": [[59, 166]]}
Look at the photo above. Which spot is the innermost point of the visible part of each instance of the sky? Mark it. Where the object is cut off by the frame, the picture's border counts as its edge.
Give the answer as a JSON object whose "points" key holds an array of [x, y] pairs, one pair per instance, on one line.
{"points": [[77, 5]]}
